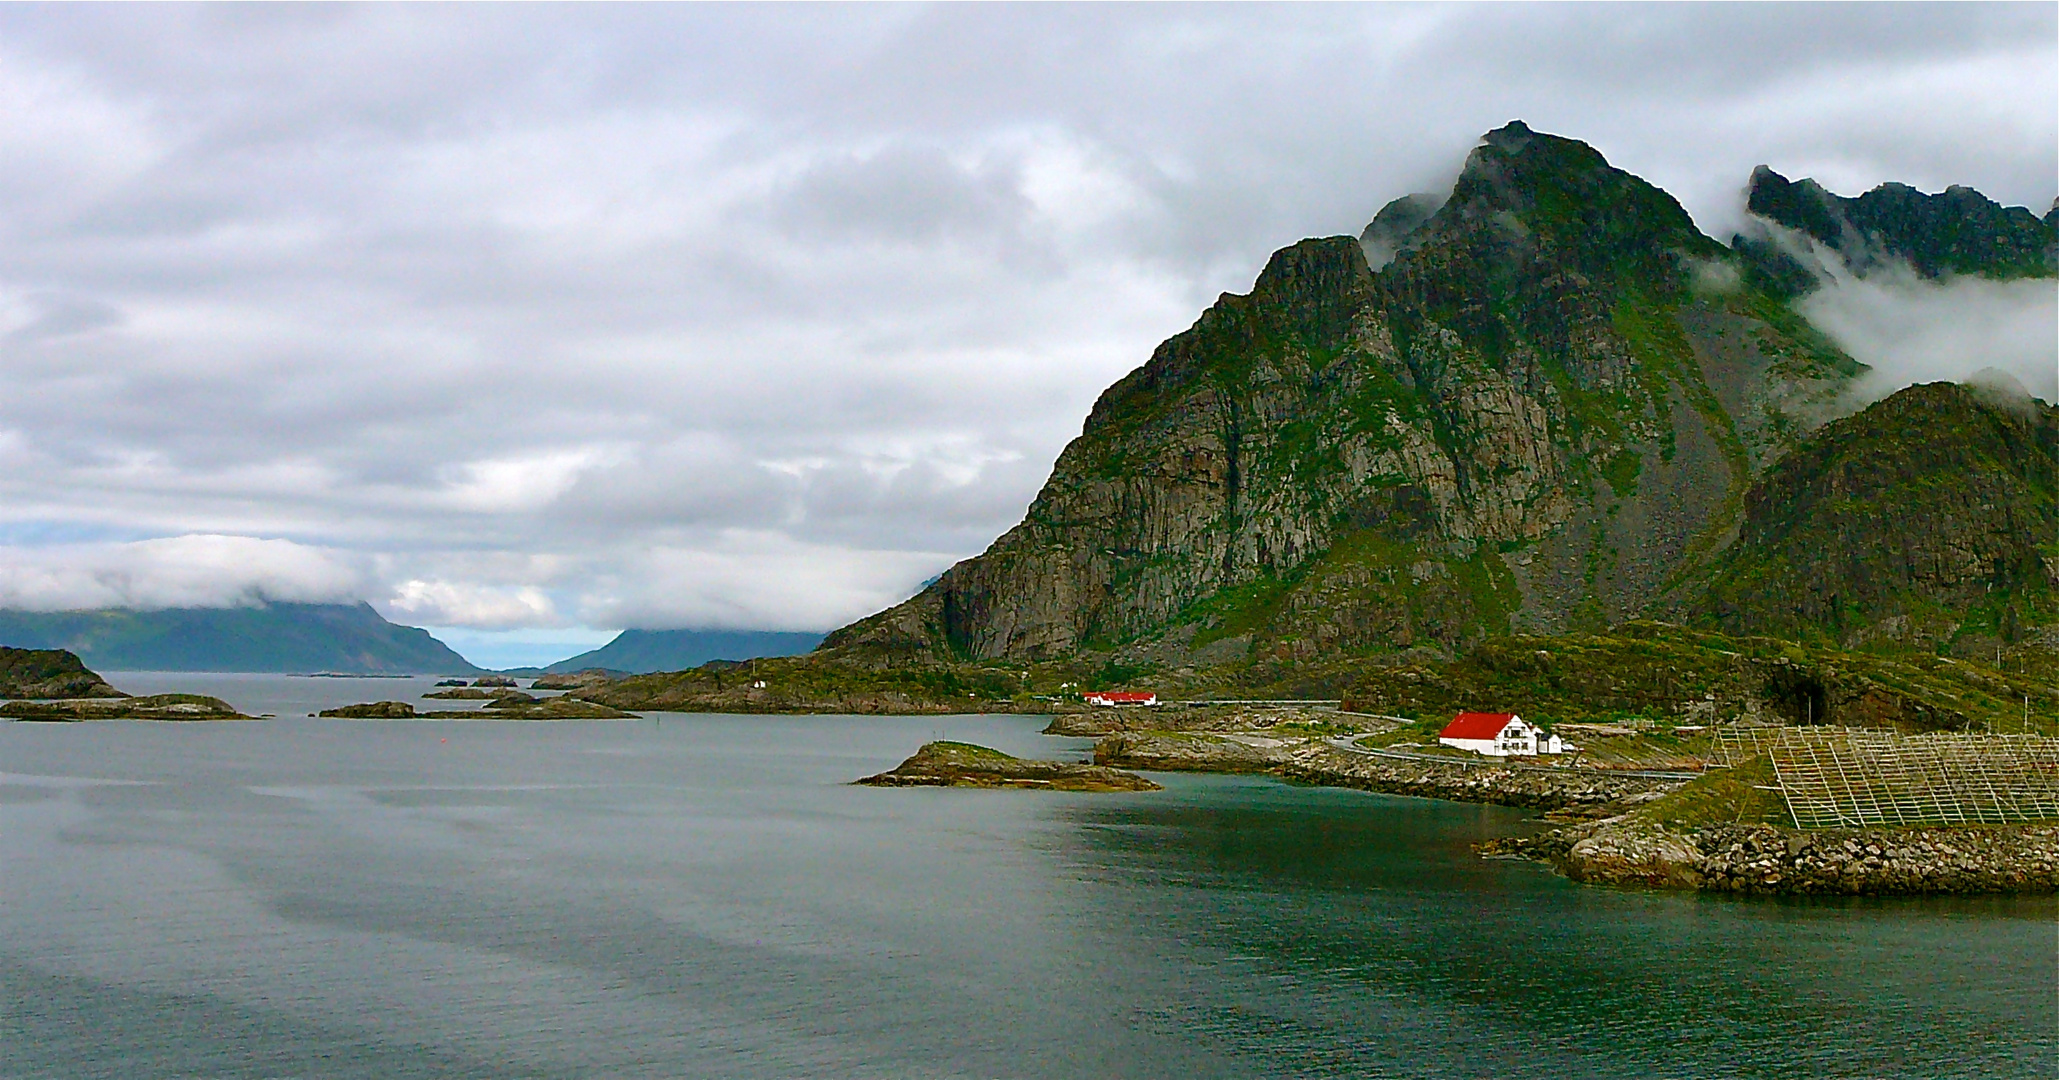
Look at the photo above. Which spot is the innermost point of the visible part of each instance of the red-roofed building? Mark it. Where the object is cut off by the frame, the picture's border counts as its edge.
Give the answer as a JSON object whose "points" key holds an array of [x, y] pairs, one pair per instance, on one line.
{"points": [[1120, 697], [1498, 735]]}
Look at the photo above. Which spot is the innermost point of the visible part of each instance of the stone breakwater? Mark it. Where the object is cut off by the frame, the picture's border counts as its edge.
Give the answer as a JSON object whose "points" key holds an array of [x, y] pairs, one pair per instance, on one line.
{"points": [[1576, 791], [1569, 790], [1764, 859], [1182, 751]]}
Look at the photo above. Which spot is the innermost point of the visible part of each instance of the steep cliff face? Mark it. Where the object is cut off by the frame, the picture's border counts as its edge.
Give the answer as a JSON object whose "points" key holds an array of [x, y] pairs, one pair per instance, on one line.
{"points": [[1930, 519], [1548, 399]]}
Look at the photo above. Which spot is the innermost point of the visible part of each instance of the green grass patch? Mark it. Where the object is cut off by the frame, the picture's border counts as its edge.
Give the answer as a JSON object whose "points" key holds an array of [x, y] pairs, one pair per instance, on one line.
{"points": [[1723, 797]]}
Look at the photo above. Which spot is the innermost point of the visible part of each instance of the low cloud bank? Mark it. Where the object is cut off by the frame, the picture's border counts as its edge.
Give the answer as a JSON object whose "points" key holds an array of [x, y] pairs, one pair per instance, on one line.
{"points": [[751, 580], [199, 570], [1912, 330], [447, 603]]}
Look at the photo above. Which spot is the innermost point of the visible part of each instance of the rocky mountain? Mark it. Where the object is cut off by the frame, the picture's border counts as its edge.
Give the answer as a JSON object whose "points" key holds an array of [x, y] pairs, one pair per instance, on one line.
{"points": [[1930, 520], [1533, 405], [270, 637], [1959, 231], [641, 651]]}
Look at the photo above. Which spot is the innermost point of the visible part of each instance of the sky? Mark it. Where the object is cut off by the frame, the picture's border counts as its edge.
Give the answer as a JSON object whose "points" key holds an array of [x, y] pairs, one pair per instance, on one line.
{"points": [[529, 324]]}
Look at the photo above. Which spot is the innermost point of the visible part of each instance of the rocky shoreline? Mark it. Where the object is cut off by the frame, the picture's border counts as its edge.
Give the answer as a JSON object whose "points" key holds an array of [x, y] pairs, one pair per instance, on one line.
{"points": [[1571, 792], [1609, 836], [153, 707], [1568, 791], [1768, 860]]}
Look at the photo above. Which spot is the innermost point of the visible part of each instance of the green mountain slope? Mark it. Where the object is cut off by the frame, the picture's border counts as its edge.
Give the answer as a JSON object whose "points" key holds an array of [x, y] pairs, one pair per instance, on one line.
{"points": [[1929, 520], [271, 637], [642, 651], [1546, 405]]}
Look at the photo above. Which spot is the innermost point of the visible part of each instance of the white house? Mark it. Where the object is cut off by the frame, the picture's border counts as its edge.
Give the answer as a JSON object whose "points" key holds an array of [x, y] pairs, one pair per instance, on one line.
{"points": [[1498, 735]]}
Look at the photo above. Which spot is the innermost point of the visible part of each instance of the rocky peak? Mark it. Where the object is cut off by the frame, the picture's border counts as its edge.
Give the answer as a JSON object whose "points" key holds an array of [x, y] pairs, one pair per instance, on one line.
{"points": [[1388, 234], [1560, 197], [1958, 231]]}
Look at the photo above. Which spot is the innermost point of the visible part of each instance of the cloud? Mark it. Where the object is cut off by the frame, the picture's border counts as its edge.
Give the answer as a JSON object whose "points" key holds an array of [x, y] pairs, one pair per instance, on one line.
{"points": [[179, 571], [447, 603], [754, 580], [1910, 330], [528, 482], [723, 316]]}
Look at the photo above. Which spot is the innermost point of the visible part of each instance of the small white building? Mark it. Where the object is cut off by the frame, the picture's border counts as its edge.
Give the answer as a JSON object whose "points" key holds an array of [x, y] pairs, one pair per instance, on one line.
{"points": [[1498, 735]]}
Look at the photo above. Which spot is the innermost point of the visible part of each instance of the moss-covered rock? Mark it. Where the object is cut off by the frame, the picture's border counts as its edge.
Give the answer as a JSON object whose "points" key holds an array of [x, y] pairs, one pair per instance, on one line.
{"points": [[49, 673]]}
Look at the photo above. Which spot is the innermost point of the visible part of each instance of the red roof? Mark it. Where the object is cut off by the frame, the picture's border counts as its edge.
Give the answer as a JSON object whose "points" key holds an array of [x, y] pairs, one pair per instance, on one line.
{"points": [[1120, 696], [1476, 725]]}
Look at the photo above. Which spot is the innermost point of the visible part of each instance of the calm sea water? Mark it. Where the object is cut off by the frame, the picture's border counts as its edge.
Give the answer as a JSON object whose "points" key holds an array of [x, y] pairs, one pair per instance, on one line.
{"points": [[705, 896]]}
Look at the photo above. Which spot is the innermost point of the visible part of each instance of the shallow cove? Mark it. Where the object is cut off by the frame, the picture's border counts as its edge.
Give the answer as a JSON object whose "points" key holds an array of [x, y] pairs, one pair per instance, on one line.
{"points": [[707, 896]]}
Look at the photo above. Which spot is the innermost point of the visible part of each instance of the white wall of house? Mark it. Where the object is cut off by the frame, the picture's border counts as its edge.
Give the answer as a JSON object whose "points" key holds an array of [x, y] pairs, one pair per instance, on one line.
{"points": [[1517, 739]]}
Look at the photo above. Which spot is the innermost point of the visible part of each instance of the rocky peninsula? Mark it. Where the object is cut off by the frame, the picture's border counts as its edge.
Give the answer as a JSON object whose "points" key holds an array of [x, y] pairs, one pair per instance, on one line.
{"points": [[957, 764]]}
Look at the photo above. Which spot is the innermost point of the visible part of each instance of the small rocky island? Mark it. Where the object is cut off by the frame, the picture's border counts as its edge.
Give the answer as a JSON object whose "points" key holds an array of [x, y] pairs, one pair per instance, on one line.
{"points": [[957, 764], [153, 707], [513, 706]]}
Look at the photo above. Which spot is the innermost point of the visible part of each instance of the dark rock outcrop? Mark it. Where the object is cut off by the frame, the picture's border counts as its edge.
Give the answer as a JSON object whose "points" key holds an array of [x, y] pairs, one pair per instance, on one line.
{"points": [[955, 764], [152, 707], [373, 710], [49, 673], [557, 708]]}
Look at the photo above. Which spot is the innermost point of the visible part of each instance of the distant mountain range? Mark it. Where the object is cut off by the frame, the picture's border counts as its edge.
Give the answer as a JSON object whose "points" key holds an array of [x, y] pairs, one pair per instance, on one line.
{"points": [[349, 638], [640, 652], [275, 637]]}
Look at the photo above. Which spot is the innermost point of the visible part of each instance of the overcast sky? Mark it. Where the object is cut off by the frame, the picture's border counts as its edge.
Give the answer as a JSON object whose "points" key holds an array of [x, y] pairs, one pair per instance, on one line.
{"points": [[528, 324]]}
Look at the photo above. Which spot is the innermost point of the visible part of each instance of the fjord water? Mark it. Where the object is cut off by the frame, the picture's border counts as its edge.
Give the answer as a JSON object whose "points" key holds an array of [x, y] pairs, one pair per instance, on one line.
{"points": [[706, 896]]}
